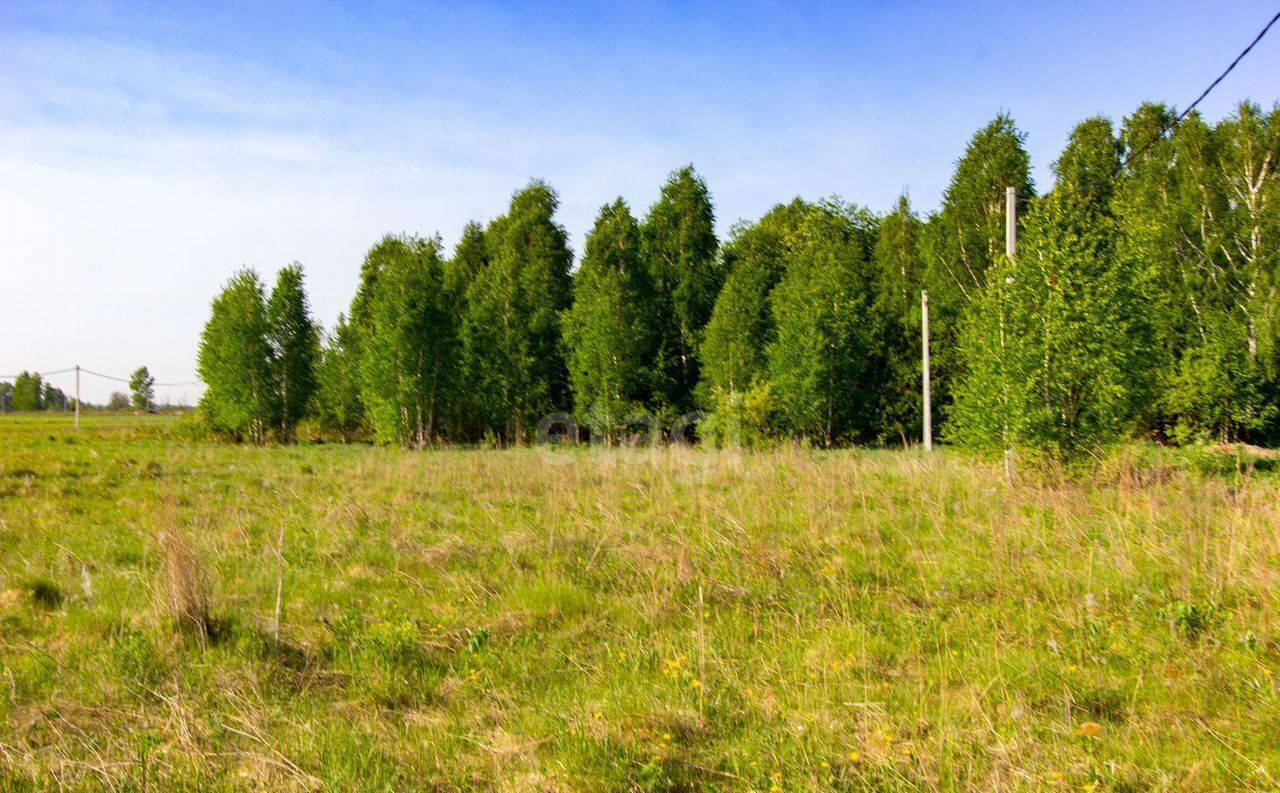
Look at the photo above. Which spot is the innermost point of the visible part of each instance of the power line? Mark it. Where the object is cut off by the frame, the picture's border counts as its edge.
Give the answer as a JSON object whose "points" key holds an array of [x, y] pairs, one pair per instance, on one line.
{"points": [[1164, 128], [38, 374], [97, 374], [127, 380], [105, 376]]}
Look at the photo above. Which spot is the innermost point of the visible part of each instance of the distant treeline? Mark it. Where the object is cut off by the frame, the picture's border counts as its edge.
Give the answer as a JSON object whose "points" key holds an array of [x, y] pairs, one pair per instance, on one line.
{"points": [[1142, 302], [29, 391]]}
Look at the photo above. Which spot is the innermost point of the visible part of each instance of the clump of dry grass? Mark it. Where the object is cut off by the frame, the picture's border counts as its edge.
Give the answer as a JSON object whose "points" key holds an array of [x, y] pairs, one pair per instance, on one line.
{"points": [[186, 582]]}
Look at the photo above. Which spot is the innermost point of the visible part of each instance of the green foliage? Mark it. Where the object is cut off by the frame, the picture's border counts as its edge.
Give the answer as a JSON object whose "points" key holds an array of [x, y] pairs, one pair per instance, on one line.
{"points": [[470, 258], [742, 417], [1049, 348], [1192, 618], [1199, 214], [741, 325], [821, 310], [409, 356], [1144, 301], [295, 348], [53, 398], [44, 592], [142, 389], [375, 262], [795, 313], [899, 276], [966, 238], [393, 641], [608, 331], [360, 319], [680, 252], [511, 329], [337, 398], [235, 361], [1216, 391], [28, 392]]}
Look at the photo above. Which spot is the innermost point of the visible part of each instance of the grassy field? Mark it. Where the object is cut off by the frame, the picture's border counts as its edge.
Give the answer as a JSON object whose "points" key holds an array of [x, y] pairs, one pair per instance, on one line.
{"points": [[686, 620]]}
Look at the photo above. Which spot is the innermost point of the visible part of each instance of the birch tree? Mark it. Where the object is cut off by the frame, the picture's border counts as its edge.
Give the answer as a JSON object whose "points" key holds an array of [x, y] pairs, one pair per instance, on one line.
{"points": [[409, 353], [609, 330], [234, 361]]}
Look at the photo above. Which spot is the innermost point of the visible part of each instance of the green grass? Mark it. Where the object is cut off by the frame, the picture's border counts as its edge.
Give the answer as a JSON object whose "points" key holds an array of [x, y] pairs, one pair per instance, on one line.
{"points": [[790, 620]]}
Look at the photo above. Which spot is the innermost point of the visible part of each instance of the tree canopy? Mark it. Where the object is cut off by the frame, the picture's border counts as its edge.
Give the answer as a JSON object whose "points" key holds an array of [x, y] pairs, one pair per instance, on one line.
{"points": [[608, 330], [1143, 302], [680, 253], [235, 364], [295, 347], [142, 389]]}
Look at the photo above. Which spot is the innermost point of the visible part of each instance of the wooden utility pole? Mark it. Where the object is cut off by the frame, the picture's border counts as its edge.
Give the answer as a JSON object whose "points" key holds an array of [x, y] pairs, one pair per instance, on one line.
{"points": [[924, 349], [77, 397]]}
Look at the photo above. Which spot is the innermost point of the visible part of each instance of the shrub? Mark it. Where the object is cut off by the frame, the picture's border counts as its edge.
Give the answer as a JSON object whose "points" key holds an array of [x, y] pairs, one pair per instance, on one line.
{"points": [[1191, 618], [45, 592], [740, 418]]}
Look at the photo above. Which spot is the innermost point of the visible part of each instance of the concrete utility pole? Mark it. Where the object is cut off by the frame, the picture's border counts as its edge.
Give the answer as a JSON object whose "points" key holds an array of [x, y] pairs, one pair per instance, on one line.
{"points": [[77, 397], [1010, 250], [924, 348], [1010, 222]]}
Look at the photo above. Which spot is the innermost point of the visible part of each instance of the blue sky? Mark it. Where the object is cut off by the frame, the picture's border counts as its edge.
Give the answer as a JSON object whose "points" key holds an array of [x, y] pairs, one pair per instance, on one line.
{"points": [[149, 150]]}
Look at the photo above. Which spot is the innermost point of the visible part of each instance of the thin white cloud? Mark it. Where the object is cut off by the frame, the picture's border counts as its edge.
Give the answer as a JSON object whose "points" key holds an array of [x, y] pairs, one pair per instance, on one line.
{"points": [[137, 173]]}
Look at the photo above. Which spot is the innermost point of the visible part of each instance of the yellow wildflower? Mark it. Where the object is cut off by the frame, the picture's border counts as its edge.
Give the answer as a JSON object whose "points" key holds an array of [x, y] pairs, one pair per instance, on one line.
{"points": [[1090, 729]]}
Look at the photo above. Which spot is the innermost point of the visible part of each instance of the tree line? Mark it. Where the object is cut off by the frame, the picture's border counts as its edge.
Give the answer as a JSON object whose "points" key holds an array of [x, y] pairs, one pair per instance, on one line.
{"points": [[30, 392], [1141, 302]]}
